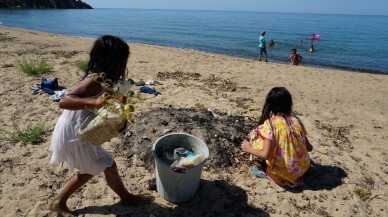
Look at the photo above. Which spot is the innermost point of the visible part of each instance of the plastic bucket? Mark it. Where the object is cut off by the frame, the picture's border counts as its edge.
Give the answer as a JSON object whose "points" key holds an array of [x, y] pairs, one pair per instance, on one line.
{"points": [[173, 186]]}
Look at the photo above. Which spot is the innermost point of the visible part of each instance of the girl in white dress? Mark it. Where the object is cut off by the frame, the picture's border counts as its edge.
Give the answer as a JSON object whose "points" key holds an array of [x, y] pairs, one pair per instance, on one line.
{"points": [[109, 55]]}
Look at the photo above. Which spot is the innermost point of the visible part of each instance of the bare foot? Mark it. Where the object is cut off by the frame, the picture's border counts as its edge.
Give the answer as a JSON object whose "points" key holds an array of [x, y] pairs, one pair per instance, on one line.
{"points": [[59, 207], [137, 200]]}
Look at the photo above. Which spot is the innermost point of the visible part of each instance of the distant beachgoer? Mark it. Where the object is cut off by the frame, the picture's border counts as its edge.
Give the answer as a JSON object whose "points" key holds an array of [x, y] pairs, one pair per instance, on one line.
{"points": [[271, 43], [301, 42], [280, 140], [295, 58], [312, 36], [262, 46], [311, 49], [109, 55]]}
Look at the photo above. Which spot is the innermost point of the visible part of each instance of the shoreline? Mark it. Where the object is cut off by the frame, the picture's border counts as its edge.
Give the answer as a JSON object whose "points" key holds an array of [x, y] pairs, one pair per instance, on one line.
{"points": [[330, 67], [344, 113], [340, 68]]}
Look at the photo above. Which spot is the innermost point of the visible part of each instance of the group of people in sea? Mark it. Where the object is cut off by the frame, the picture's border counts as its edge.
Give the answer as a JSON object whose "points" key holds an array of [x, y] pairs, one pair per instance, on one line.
{"points": [[294, 58], [279, 142]]}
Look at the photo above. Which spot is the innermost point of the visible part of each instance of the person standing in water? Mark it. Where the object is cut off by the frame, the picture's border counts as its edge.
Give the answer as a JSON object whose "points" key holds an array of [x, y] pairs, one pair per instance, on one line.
{"points": [[262, 46]]}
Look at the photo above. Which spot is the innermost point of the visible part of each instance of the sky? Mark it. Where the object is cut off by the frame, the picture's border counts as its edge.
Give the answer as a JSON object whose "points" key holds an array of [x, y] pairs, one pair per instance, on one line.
{"points": [[359, 7]]}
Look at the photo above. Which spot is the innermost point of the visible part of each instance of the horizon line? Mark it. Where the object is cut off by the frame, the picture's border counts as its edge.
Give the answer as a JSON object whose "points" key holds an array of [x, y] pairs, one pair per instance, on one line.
{"points": [[221, 10]]}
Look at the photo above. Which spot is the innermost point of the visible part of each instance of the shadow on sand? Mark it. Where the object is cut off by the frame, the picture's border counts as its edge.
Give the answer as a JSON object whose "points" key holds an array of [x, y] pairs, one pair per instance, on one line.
{"points": [[214, 198], [320, 177]]}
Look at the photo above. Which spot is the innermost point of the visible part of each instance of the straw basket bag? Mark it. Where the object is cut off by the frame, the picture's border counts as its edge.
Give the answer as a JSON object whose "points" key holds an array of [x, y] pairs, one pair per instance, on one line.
{"points": [[97, 129]]}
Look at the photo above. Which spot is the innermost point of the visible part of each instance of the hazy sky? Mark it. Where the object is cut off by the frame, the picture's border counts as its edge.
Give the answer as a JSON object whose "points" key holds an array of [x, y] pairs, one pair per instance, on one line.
{"points": [[369, 7]]}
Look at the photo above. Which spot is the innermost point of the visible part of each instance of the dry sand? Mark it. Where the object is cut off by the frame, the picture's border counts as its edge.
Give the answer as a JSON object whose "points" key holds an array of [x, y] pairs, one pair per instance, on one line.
{"points": [[344, 112]]}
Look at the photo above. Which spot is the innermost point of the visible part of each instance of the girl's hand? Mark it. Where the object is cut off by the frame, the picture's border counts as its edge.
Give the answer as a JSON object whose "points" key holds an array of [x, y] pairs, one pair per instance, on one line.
{"points": [[262, 153], [246, 146], [100, 101]]}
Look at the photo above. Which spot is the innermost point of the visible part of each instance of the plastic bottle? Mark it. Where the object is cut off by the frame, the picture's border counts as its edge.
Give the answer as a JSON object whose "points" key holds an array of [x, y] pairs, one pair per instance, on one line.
{"points": [[188, 162]]}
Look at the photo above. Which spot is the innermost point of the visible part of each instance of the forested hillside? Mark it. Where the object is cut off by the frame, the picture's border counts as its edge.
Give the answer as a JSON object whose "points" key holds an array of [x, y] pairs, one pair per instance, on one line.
{"points": [[41, 4]]}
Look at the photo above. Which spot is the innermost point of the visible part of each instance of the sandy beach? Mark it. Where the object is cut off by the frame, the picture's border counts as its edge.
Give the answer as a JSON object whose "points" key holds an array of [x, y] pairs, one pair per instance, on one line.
{"points": [[216, 98]]}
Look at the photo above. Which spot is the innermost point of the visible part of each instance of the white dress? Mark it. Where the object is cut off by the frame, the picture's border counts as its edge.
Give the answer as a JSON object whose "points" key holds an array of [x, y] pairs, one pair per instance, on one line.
{"points": [[67, 147]]}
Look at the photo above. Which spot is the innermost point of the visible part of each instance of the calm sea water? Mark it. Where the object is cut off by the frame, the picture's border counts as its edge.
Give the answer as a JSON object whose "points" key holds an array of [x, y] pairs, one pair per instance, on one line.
{"points": [[348, 42]]}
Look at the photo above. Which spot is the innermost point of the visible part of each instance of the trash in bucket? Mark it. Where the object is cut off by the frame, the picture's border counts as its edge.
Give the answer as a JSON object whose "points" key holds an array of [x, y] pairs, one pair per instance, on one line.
{"points": [[179, 159], [188, 162], [182, 159]]}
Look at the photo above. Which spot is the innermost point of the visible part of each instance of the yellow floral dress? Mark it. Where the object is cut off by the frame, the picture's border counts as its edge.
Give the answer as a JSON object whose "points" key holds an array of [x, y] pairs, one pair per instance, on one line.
{"points": [[288, 159]]}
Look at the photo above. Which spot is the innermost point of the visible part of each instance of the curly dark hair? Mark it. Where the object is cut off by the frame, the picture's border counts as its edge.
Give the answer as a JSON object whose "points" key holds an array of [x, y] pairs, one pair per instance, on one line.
{"points": [[109, 54]]}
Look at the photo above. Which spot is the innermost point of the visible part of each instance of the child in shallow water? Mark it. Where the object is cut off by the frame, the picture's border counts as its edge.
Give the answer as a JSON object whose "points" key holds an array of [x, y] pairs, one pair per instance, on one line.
{"points": [[311, 49], [271, 43], [280, 140], [295, 58]]}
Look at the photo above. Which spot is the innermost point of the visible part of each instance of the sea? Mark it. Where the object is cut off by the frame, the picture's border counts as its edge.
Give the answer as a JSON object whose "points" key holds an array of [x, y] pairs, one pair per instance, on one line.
{"points": [[348, 42]]}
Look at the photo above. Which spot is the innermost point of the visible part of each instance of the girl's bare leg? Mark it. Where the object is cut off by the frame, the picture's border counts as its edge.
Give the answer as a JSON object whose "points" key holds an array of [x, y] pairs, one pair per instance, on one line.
{"points": [[116, 184], [59, 202]]}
